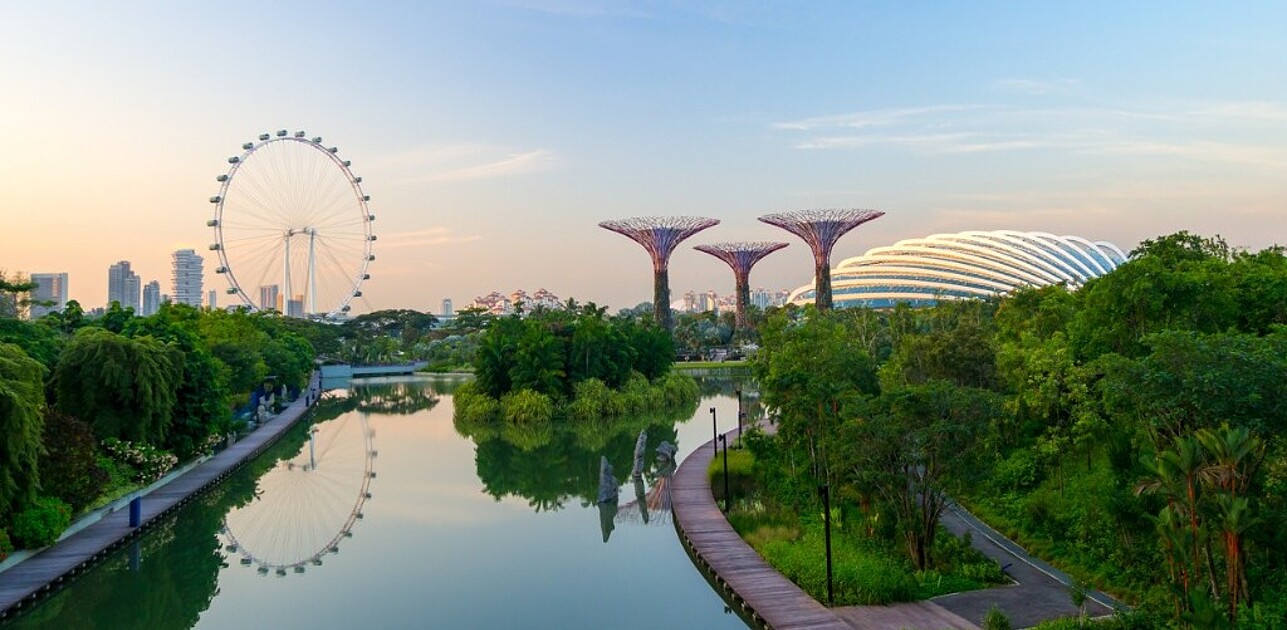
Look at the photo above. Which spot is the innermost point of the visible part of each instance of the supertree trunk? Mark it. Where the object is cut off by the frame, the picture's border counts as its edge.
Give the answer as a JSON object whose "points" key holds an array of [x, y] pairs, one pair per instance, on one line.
{"points": [[741, 257], [822, 284], [661, 300], [821, 229], [659, 236]]}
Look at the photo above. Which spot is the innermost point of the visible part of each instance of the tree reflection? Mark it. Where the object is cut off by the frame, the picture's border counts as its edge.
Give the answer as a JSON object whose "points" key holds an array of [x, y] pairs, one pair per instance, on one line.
{"points": [[176, 573], [567, 464]]}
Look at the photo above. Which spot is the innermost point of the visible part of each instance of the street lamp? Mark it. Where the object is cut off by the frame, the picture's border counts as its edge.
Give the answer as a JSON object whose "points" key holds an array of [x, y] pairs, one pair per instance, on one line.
{"points": [[825, 491], [740, 415], [714, 433], [724, 440]]}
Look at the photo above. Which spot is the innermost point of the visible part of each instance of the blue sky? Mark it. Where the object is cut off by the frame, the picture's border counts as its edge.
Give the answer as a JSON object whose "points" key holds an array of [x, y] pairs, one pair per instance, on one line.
{"points": [[492, 136]]}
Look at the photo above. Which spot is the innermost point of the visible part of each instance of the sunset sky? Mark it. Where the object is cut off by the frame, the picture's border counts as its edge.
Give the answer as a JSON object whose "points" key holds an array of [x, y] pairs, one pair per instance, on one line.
{"points": [[493, 136]]}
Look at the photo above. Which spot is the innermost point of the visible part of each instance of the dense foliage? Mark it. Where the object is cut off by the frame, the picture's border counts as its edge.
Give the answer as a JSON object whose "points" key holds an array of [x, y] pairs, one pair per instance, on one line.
{"points": [[1134, 431], [98, 405]]}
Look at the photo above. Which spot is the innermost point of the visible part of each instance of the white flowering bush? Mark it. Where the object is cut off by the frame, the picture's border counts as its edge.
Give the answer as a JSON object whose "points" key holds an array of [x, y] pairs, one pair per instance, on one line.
{"points": [[212, 442], [148, 462]]}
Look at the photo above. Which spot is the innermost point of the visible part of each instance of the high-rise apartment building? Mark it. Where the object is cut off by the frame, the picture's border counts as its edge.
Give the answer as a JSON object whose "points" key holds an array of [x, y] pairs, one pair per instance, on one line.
{"points": [[447, 309], [187, 277], [50, 287], [151, 298], [212, 298], [270, 298], [123, 285]]}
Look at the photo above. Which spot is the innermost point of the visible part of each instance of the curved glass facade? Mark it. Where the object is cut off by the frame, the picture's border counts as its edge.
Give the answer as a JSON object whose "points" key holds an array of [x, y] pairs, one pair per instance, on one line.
{"points": [[922, 271]]}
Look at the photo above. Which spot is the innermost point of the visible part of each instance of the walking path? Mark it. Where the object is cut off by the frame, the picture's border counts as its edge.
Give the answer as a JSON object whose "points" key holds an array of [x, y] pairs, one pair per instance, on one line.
{"points": [[47, 570], [769, 599]]}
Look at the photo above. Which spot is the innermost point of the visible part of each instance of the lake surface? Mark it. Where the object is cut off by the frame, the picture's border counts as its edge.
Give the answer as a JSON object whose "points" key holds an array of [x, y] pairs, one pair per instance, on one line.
{"points": [[463, 528]]}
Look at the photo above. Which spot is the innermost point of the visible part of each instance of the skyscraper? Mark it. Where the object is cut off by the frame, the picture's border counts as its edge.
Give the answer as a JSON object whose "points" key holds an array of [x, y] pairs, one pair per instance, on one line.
{"points": [[270, 298], [50, 287], [151, 298], [447, 309], [187, 277], [123, 285], [295, 306], [212, 298]]}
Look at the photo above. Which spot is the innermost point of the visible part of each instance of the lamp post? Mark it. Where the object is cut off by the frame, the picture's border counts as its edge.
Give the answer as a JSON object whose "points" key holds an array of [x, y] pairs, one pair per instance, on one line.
{"points": [[714, 433], [825, 491], [724, 440], [740, 415]]}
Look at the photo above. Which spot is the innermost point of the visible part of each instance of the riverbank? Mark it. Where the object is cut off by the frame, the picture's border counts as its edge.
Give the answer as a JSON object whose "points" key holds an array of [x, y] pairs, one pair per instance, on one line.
{"points": [[766, 598], [42, 572]]}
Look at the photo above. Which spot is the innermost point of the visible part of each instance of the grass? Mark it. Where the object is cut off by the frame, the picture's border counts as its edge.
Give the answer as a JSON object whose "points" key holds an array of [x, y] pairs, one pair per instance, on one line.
{"points": [[866, 570]]}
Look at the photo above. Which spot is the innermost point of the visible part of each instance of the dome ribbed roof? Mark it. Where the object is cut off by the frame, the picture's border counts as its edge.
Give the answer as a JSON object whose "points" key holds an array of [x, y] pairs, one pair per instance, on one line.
{"points": [[964, 265]]}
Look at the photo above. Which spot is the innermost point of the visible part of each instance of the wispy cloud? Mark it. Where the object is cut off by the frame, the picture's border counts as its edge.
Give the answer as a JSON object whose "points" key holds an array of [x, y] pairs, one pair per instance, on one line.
{"points": [[1243, 133], [423, 238], [466, 161], [513, 164], [1037, 87], [872, 118]]}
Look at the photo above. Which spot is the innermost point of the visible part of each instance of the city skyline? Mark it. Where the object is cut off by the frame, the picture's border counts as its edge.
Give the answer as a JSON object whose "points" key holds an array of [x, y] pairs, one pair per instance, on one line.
{"points": [[493, 135]]}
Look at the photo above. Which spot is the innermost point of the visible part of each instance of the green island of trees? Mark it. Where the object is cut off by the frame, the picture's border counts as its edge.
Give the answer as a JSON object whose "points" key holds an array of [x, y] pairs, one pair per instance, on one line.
{"points": [[1131, 432], [573, 365]]}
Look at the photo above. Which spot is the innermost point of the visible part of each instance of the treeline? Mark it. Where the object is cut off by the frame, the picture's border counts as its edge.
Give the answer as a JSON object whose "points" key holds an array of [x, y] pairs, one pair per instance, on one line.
{"points": [[575, 362], [1131, 431], [91, 407]]}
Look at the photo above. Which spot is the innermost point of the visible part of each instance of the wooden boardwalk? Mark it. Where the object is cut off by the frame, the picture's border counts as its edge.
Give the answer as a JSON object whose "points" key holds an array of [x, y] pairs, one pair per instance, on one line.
{"points": [[48, 570], [763, 595]]}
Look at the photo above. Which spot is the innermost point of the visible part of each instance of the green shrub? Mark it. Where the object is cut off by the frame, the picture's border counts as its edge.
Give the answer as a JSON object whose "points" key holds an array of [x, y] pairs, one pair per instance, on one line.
{"points": [[6, 547], [861, 575], [527, 407], [996, 619], [40, 524], [1019, 471]]}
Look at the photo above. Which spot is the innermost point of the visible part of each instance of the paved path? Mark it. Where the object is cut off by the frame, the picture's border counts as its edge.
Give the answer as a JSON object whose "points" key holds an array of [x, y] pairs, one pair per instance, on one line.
{"points": [[1041, 591], [46, 571], [765, 596]]}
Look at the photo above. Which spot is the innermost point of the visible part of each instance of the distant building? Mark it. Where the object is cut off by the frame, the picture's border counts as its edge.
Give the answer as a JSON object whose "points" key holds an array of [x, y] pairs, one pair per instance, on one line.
{"points": [[212, 299], [187, 276], [295, 306], [270, 298], [498, 304], [151, 298], [447, 309], [123, 286], [50, 287]]}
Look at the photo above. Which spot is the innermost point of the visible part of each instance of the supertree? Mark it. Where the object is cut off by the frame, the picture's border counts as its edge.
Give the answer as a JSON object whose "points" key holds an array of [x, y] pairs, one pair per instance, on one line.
{"points": [[821, 229], [660, 236], [741, 256]]}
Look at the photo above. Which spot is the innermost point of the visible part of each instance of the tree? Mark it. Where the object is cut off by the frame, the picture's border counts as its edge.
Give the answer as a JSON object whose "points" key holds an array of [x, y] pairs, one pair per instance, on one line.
{"points": [[125, 387], [810, 372], [15, 295], [21, 424], [69, 467], [918, 443], [202, 399]]}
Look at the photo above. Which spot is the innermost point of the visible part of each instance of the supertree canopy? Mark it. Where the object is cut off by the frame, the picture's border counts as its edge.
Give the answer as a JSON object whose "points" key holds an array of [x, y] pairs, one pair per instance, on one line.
{"points": [[741, 256], [821, 229], [660, 236]]}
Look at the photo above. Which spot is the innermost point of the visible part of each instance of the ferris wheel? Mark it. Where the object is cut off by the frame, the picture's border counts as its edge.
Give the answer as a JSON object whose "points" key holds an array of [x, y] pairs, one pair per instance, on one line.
{"points": [[292, 227], [305, 506]]}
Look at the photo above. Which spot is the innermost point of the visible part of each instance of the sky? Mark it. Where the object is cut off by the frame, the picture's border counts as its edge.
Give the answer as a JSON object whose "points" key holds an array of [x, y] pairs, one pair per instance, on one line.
{"points": [[493, 136]]}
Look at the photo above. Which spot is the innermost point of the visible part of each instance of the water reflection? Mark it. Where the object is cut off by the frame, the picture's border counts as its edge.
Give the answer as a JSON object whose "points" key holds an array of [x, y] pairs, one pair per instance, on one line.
{"points": [[430, 546]]}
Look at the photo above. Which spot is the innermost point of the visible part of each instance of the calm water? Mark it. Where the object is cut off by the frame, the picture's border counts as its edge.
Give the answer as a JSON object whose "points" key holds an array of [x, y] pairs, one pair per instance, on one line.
{"points": [[488, 531]]}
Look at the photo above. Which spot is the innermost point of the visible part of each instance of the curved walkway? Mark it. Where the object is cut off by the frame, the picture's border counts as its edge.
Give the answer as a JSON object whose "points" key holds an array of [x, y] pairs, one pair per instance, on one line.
{"points": [[48, 569], [769, 599]]}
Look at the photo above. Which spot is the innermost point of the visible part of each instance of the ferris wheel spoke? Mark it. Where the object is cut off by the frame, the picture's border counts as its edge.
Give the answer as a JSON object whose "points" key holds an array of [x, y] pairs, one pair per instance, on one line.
{"points": [[288, 193]]}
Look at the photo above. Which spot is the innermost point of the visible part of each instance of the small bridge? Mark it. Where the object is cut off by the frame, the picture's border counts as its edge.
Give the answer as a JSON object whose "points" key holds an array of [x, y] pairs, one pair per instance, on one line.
{"points": [[346, 371]]}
